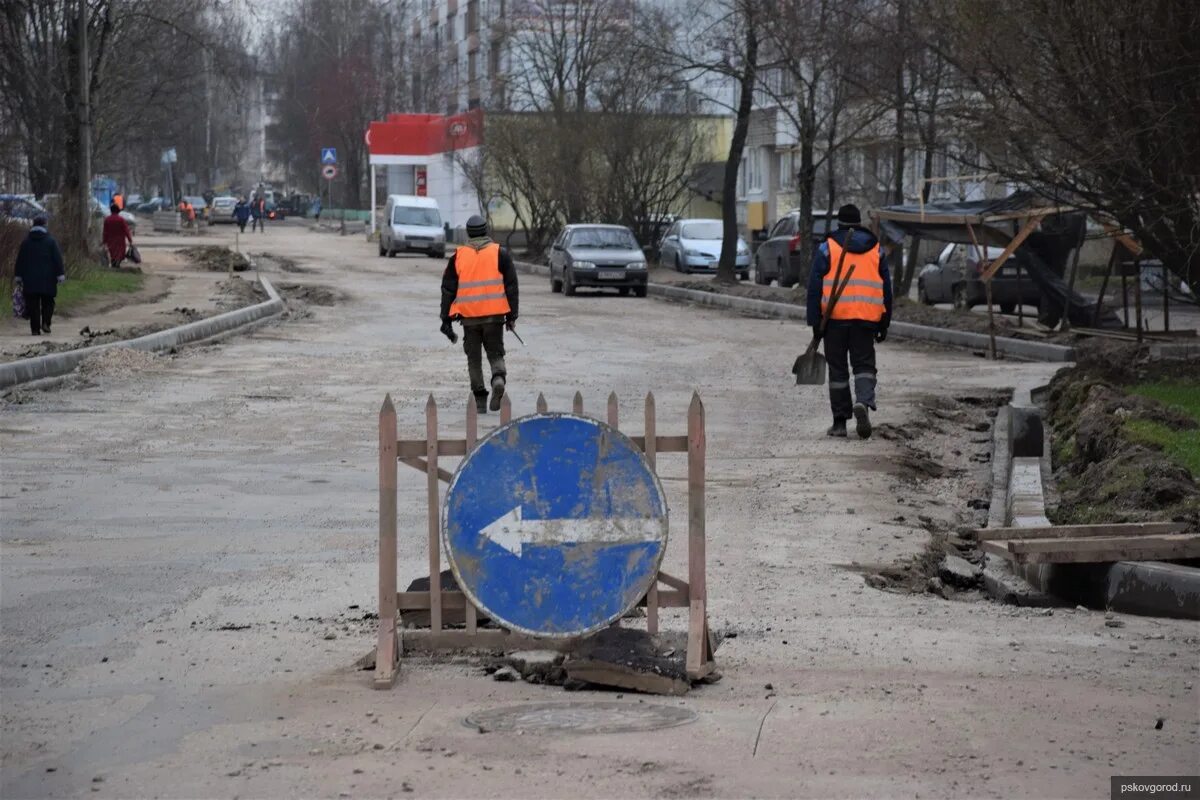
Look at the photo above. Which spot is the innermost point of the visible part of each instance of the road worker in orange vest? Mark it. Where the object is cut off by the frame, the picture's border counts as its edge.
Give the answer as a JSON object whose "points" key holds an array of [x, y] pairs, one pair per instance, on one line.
{"points": [[860, 318], [479, 289]]}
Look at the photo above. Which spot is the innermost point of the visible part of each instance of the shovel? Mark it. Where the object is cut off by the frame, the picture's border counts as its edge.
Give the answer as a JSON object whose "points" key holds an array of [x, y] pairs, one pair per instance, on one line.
{"points": [[809, 368]]}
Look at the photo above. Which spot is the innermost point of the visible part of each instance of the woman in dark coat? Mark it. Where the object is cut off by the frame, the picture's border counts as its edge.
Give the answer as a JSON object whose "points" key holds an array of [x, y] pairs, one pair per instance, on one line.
{"points": [[39, 267]]}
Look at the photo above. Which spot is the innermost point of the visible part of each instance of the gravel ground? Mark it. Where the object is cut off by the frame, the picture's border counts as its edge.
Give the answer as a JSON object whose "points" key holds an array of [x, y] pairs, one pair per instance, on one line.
{"points": [[188, 555]]}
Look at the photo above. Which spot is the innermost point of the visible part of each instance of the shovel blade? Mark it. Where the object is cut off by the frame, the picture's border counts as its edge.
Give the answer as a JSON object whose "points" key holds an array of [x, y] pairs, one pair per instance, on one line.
{"points": [[809, 369]]}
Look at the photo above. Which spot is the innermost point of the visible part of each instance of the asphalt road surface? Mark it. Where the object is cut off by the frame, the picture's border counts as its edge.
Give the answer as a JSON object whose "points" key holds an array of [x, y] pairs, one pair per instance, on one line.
{"points": [[188, 551]]}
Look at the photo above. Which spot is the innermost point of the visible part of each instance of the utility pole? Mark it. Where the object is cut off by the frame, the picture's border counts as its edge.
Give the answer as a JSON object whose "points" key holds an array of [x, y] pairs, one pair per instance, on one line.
{"points": [[85, 126]]}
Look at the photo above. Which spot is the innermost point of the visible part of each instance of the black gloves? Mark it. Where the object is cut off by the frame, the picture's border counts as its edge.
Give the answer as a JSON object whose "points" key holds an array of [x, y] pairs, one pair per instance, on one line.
{"points": [[881, 331], [448, 332], [510, 321]]}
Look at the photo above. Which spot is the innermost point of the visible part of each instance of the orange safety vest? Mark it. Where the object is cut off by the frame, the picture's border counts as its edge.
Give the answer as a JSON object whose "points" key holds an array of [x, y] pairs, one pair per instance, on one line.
{"points": [[480, 284], [863, 296], [119, 201]]}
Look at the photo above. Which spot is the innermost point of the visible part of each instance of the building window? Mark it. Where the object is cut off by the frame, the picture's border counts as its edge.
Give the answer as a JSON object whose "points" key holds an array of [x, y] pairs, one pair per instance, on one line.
{"points": [[472, 17]]}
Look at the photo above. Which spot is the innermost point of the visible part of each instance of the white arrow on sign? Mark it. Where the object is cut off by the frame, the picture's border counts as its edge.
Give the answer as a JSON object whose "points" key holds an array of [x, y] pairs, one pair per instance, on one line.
{"points": [[512, 532]]}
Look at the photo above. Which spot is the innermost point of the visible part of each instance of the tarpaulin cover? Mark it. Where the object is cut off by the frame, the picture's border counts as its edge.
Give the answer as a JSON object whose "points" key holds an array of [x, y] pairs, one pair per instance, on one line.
{"points": [[1043, 255]]}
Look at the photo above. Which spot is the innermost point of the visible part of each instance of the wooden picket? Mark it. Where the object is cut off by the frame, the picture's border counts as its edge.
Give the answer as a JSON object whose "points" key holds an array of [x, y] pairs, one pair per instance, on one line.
{"points": [[424, 454]]}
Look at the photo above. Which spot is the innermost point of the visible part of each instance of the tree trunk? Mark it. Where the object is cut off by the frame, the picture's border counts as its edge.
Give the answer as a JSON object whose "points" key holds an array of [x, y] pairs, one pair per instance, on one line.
{"points": [[900, 156], [726, 272], [914, 252], [806, 183]]}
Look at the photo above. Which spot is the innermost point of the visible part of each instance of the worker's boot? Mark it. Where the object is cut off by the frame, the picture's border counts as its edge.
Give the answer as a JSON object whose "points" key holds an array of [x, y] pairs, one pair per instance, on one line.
{"points": [[497, 392], [862, 421], [481, 401], [838, 428]]}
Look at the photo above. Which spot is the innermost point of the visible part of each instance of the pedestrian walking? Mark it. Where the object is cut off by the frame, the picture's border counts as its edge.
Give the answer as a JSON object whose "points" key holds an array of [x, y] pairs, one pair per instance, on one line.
{"points": [[119, 201], [860, 318], [241, 213], [39, 268], [479, 289], [316, 209], [116, 235], [258, 210]]}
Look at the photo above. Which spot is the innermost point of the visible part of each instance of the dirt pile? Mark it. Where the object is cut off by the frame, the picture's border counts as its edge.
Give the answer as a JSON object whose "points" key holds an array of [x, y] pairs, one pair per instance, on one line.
{"points": [[943, 461], [310, 294], [236, 292], [1102, 473], [116, 362], [215, 258]]}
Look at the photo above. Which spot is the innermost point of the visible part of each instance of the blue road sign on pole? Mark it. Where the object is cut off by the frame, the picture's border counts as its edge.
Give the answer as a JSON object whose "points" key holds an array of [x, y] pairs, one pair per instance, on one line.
{"points": [[555, 525], [328, 155]]}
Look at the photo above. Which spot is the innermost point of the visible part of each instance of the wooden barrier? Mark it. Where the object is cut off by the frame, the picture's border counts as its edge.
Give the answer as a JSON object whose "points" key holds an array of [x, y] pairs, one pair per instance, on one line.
{"points": [[424, 454]]}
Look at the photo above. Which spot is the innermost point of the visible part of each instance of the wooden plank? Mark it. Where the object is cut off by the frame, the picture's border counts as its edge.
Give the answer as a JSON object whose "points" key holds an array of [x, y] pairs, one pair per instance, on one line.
{"points": [[387, 651], [471, 617], [428, 641], [664, 444], [1010, 248], [1078, 531], [413, 448], [697, 646], [613, 416], [542, 406], [996, 548], [672, 581], [607, 673], [1099, 543], [435, 517], [1134, 548], [452, 600], [650, 446], [669, 599], [577, 404], [981, 254], [423, 465], [505, 410]]}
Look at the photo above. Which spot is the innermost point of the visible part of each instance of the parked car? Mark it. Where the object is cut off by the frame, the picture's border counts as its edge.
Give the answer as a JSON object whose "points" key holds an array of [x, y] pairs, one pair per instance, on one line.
{"points": [[20, 208], [152, 205], [778, 257], [199, 204], [954, 278], [597, 256], [130, 219], [412, 222], [694, 245], [221, 209], [134, 200]]}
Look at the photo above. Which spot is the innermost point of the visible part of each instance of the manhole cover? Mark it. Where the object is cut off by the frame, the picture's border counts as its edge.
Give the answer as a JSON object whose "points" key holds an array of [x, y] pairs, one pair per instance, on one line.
{"points": [[581, 718]]}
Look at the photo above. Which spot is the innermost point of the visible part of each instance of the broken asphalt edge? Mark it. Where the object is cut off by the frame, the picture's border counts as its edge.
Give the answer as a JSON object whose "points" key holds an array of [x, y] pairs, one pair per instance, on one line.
{"points": [[1019, 348], [1021, 472], [53, 365]]}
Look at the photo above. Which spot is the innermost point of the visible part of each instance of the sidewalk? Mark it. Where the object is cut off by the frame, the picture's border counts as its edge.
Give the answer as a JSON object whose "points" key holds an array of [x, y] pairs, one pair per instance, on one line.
{"points": [[171, 283]]}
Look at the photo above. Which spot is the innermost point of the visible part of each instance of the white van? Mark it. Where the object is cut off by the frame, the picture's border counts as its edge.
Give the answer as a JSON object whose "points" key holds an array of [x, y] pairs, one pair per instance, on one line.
{"points": [[411, 222]]}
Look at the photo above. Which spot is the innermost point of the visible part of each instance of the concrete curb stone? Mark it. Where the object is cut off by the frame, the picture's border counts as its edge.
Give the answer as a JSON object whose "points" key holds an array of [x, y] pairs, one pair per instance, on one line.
{"points": [[1033, 351], [53, 365]]}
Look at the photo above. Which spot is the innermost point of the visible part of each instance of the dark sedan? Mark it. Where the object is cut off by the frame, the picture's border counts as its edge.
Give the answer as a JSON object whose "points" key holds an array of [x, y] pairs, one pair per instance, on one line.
{"points": [[598, 257], [954, 278]]}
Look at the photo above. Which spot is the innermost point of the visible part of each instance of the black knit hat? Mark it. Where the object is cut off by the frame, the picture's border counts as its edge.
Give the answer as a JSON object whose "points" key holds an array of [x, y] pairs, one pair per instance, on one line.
{"points": [[476, 226], [849, 215]]}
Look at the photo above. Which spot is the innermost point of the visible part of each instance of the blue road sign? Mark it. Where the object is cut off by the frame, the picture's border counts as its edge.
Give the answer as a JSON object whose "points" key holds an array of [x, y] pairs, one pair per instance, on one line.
{"points": [[328, 155], [555, 525]]}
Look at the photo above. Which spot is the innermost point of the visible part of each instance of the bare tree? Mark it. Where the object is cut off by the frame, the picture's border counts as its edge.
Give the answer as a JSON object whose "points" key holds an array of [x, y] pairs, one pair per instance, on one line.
{"points": [[1098, 102], [722, 44]]}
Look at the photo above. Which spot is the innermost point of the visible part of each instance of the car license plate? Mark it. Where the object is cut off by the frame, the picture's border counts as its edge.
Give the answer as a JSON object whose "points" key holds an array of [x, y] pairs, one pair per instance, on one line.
{"points": [[612, 275], [1008, 271]]}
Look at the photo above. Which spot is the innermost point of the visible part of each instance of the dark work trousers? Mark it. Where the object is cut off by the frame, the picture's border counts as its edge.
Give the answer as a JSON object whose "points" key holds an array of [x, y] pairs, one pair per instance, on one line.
{"points": [[258, 224], [41, 309], [478, 338], [852, 340], [241, 226]]}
